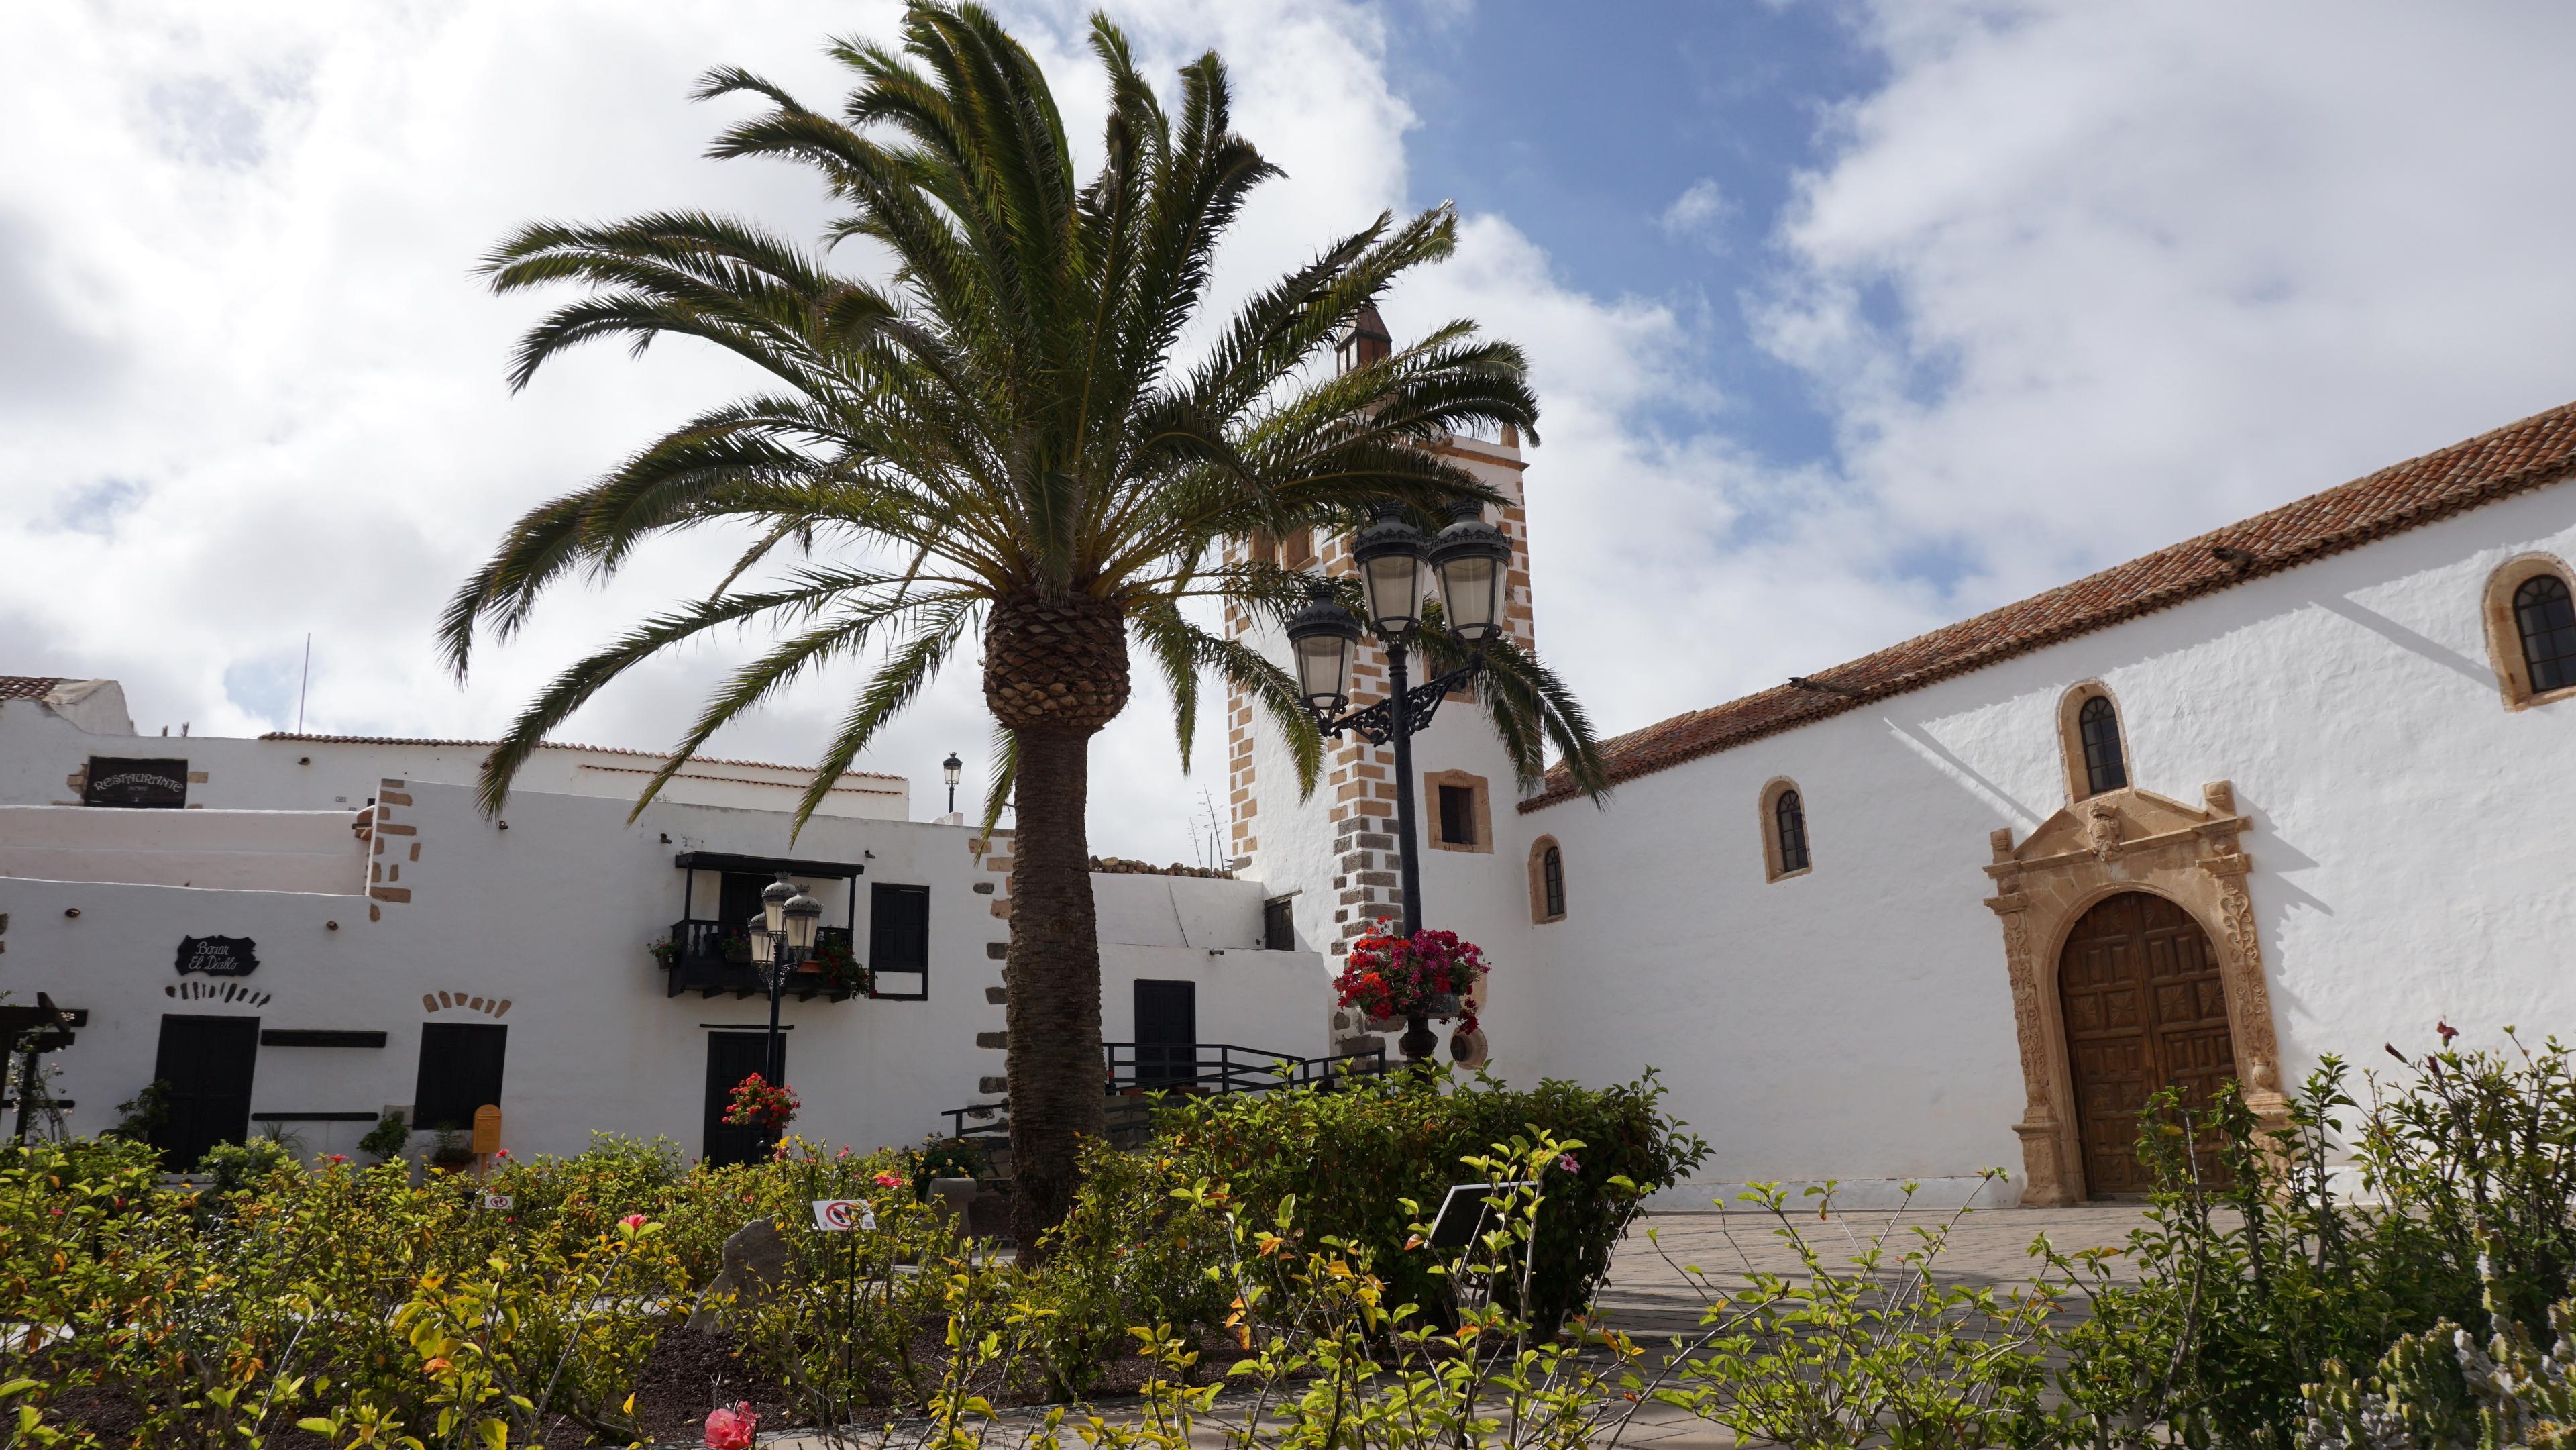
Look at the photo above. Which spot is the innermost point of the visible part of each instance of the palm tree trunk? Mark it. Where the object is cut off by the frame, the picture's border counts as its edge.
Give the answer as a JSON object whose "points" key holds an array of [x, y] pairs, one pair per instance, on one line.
{"points": [[1055, 671], [1053, 980]]}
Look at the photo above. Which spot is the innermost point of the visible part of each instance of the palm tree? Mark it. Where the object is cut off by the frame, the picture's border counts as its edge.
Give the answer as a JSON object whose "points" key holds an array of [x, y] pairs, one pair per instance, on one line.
{"points": [[999, 440]]}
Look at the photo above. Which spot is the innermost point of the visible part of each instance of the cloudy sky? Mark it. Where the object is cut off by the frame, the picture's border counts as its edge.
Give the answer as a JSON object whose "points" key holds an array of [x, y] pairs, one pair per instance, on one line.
{"points": [[1847, 321]]}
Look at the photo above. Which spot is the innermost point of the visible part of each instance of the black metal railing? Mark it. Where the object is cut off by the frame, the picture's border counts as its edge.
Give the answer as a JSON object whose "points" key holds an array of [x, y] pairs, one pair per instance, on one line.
{"points": [[714, 957], [1206, 1067]]}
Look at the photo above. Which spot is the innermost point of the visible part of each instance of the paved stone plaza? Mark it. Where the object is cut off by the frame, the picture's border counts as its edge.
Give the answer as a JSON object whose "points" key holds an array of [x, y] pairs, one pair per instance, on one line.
{"points": [[1646, 1295]]}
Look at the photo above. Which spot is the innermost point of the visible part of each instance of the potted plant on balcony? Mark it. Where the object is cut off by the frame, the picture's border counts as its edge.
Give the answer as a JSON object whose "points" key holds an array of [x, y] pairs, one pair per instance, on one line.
{"points": [[839, 969], [1391, 977], [665, 951]]}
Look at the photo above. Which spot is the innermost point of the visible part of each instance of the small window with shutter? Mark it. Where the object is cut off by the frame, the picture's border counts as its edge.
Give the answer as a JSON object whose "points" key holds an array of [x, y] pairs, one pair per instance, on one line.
{"points": [[899, 941], [460, 1071], [1279, 924]]}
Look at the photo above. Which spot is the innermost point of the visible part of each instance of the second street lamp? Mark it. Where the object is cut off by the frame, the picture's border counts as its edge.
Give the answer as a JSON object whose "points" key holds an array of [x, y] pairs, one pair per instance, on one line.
{"points": [[1471, 559], [950, 767], [782, 939]]}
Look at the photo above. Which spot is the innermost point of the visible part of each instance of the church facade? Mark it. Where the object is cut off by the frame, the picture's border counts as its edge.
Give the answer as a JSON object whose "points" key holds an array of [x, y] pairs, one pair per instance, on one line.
{"points": [[2299, 787]]}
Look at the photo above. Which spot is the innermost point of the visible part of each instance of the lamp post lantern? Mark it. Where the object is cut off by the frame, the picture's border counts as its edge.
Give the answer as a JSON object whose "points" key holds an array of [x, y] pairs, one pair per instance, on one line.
{"points": [[782, 939], [1470, 560], [950, 767]]}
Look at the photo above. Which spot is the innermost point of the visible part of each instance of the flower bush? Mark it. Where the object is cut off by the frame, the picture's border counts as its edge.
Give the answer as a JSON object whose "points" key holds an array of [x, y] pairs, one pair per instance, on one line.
{"points": [[1393, 976], [1276, 1243], [756, 1104], [838, 967]]}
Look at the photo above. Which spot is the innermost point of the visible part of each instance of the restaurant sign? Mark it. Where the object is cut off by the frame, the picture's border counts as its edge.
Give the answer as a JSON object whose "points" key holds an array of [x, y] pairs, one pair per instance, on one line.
{"points": [[217, 956], [119, 782]]}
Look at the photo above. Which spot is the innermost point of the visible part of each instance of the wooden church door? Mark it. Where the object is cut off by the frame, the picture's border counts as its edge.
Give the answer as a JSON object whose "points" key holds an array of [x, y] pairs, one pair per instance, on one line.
{"points": [[2145, 1010]]}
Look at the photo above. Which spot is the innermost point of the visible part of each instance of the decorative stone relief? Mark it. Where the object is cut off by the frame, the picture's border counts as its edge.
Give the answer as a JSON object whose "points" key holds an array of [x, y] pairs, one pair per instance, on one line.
{"points": [[2125, 840]]}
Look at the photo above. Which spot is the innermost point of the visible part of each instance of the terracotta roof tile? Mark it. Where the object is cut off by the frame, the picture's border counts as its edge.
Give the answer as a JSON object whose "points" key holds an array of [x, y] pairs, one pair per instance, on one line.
{"points": [[551, 745], [2514, 459], [27, 687]]}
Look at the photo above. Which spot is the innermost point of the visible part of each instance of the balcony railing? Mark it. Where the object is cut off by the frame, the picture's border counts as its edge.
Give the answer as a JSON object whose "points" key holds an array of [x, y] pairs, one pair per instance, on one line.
{"points": [[711, 958]]}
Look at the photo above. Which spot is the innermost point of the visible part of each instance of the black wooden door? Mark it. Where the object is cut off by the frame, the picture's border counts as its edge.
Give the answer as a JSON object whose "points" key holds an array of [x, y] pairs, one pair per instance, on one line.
{"points": [[731, 1057], [208, 1062], [1167, 1033]]}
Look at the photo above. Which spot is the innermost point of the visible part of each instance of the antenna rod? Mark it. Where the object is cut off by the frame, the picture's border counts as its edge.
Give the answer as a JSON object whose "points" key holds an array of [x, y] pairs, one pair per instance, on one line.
{"points": [[305, 679]]}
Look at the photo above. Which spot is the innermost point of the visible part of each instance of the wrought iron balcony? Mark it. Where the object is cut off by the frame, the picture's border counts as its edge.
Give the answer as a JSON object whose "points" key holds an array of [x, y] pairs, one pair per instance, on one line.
{"points": [[711, 958]]}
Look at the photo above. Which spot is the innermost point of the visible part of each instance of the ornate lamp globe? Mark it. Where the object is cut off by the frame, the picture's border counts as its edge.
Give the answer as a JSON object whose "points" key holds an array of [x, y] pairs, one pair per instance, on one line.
{"points": [[773, 904], [951, 766], [763, 946], [804, 918], [1390, 556], [1322, 638], [1472, 559]]}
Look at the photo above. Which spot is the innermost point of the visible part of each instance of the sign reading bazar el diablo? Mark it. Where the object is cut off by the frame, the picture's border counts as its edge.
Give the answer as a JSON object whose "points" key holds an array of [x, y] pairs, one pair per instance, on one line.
{"points": [[217, 956]]}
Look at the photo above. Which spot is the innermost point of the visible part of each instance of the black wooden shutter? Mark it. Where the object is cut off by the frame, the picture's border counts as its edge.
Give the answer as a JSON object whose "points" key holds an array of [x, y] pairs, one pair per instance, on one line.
{"points": [[1279, 924], [460, 1071], [1167, 1032], [899, 940], [208, 1063], [731, 1057]]}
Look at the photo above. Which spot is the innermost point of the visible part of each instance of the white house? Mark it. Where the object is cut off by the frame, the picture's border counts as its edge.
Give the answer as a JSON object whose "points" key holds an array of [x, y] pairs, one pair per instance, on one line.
{"points": [[300, 933]]}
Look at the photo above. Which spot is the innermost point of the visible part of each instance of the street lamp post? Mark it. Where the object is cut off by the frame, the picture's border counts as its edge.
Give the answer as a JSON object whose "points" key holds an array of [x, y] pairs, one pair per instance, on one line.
{"points": [[1470, 560], [782, 939], [951, 766]]}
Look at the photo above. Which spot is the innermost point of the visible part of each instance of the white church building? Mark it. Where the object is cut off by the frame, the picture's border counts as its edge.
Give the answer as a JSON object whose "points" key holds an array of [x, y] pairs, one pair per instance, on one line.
{"points": [[2300, 786]]}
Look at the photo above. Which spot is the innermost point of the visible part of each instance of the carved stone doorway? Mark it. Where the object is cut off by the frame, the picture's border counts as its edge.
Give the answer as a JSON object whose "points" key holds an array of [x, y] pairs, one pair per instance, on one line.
{"points": [[2123, 843], [2145, 1010]]}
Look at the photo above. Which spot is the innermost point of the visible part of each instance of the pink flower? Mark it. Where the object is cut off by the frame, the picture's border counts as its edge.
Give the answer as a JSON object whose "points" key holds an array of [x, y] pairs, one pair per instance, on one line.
{"points": [[2447, 1030], [1566, 1162], [632, 1223], [504, 1153], [889, 1180], [731, 1429]]}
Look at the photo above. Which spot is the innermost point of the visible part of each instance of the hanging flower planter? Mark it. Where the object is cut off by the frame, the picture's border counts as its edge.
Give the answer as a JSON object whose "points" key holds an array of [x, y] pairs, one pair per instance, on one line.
{"points": [[756, 1104], [1392, 978]]}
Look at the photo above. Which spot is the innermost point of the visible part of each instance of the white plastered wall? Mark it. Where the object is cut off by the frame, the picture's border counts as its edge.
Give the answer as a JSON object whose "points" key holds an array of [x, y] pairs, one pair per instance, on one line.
{"points": [[2410, 850]]}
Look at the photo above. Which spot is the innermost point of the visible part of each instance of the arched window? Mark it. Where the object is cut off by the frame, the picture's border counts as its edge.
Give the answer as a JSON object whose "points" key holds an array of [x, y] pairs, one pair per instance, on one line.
{"points": [[2546, 619], [1547, 881], [1790, 819], [2088, 725], [2097, 725], [1784, 830], [2531, 630]]}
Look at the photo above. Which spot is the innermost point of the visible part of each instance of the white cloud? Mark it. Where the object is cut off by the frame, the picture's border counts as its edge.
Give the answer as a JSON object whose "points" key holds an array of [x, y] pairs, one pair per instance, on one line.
{"points": [[2074, 283], [1699, 215]]}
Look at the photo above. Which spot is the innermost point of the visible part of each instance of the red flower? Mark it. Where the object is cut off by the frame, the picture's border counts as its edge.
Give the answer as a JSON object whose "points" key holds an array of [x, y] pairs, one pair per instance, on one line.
{"points": [[633, 1222], [731, 1429]]}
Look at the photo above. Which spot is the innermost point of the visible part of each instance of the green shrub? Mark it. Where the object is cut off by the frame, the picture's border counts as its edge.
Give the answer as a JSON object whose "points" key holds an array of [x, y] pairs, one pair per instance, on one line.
{"points": [[1368, 1159], [2259, 1279], [387, 1139]]}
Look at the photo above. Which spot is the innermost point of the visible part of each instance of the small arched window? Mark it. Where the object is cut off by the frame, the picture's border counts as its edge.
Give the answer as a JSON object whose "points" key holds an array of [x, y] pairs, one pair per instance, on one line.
{"points": [[1784, 830], [1546, 881], [1790, 819], [2545, 617], [2531, 630], [2097, 726], [2097, 754]]}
